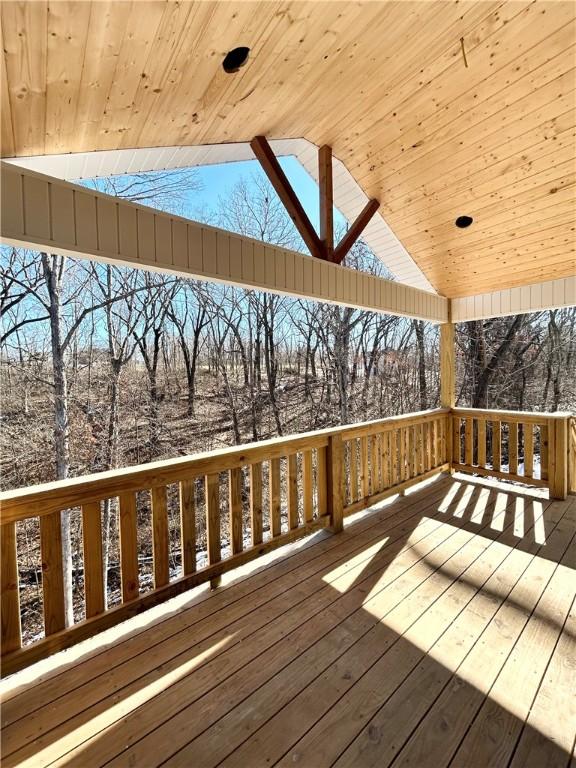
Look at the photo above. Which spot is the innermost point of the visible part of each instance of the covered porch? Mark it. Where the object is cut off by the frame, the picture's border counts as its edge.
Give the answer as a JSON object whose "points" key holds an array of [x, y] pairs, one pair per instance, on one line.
{"points": [[393, 592]]}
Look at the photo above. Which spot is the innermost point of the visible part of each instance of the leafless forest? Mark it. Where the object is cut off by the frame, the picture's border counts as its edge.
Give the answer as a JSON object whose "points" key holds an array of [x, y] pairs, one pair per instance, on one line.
{"points": [[105, 367]]}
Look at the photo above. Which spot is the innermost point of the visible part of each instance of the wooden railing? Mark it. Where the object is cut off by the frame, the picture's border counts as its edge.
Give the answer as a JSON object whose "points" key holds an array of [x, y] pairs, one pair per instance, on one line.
{"points": [[530, 448], [235, 504]]}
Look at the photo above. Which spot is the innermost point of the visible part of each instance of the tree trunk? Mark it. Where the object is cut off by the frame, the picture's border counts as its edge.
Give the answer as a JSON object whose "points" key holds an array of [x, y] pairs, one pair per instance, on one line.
{"points": [[53, 267], [419, 329]]}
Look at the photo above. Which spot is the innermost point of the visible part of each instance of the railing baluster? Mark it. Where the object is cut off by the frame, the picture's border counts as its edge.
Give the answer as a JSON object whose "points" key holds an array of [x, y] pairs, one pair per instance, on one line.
{"points": [[496, 445], [412, 452], [353, 470], [429, 438], [307, 486], [481, 442], [212, 496], [128, 547], [10, 604], [160, 538], [256, 502], [52, 573], [393, 457], [235, 509], [385, 446], [322, 481], [528, 450], [188, 526], [438, 442], [292, 491], [93, 566], [274, 490], [401, 456], [364, 473], [468, 442], [422, 447], [513, 448], [379, 461], [456, 441], [544, 453], [374, 480], [446, 454]]}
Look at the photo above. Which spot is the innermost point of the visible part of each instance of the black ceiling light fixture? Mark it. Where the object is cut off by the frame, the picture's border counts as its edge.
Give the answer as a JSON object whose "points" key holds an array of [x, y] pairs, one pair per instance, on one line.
{"points": [[235, 59], [463, 221]]}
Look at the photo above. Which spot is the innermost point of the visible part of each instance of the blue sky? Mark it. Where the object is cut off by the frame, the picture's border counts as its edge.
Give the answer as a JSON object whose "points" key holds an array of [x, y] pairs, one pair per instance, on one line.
{"points": [[217, 180]]}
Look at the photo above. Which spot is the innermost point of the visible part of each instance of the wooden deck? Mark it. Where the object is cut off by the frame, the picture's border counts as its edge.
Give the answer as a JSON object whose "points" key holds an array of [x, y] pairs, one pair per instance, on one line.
{"points": [[438, 629]]}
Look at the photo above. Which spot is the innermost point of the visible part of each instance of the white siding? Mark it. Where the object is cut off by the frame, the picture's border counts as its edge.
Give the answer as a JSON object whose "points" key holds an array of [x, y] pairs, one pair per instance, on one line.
{"points": [[552, 294], [101, 227]]}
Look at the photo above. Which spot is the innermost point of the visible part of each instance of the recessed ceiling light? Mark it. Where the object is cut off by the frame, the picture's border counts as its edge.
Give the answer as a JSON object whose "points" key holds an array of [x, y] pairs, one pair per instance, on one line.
{"points": [[463, 221], [235, 59]]}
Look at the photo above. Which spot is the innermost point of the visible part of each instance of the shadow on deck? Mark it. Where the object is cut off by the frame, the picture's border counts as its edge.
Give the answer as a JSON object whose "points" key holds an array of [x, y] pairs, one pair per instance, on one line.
{"points": [[437, 629]]}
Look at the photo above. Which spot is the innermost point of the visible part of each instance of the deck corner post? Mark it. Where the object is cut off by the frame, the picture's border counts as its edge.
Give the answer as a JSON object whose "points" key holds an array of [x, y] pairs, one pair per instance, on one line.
{"points": [[448, 381], [334, 480], [558, 456]]}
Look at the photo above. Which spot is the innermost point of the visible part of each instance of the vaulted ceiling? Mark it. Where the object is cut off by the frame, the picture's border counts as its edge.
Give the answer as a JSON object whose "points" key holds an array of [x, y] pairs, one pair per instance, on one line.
{"points": [[438, 109]]}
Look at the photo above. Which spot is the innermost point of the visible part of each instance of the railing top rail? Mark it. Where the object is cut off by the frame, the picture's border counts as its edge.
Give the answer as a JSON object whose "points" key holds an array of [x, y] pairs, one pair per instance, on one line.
{"points": [[38, 500], [527, 416]]}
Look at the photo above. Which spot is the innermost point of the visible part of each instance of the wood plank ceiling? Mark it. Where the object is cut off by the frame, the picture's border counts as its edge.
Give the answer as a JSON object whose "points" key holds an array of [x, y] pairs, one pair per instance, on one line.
{"points": [[438, 109]]}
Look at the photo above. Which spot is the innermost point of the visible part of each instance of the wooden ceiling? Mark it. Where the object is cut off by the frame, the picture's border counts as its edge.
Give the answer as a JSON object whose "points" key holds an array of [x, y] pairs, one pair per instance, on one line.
{"points": [[437, 109]]}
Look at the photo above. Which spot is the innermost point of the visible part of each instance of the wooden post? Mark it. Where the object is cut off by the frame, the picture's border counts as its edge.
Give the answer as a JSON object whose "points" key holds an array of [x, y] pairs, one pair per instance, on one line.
{"points": [[558, 456], [335, 475], [326, 199], [448, 381]]}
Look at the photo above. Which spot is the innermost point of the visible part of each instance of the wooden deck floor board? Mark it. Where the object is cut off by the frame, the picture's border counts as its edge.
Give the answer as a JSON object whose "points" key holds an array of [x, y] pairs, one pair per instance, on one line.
{"points": [[321, 656]]}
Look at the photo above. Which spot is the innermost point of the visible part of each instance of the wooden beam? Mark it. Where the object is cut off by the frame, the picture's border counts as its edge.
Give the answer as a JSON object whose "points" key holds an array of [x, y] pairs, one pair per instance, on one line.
{"points": [[355, 231], [325, 184], [279, 181]]}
